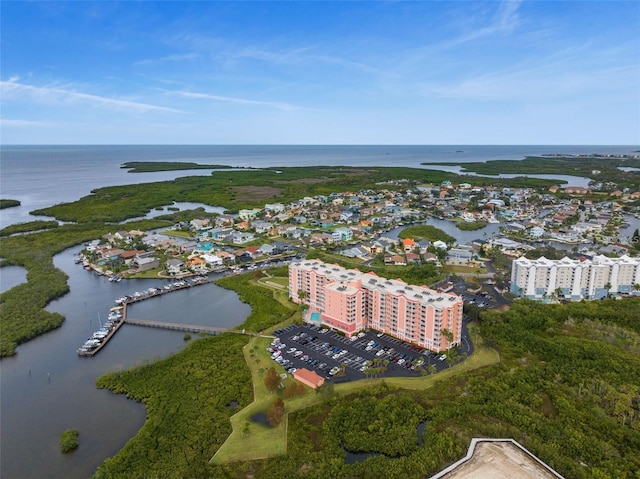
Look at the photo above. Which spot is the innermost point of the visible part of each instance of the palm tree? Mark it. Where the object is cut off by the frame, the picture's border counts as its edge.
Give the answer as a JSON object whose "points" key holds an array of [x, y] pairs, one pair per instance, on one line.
{"points": [[449, 335]]}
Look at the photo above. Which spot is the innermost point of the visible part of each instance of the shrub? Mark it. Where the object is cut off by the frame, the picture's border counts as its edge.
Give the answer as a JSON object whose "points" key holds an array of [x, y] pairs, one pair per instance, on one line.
{"points": [[69, 440]]}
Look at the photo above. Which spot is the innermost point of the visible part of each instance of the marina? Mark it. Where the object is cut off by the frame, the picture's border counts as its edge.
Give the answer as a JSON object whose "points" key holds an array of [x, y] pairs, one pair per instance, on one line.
{"points": [[118, 316]]}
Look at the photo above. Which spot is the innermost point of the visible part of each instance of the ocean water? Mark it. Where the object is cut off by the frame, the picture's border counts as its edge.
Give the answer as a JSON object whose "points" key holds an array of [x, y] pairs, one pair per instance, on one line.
{"points": [[41, 175]]}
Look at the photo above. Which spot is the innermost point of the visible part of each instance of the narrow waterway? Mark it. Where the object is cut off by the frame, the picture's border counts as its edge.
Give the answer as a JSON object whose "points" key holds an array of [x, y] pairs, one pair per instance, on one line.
{"points": [[47, 388]]}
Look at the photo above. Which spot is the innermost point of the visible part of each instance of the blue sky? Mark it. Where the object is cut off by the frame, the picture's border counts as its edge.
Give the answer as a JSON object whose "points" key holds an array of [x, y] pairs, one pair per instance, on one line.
{"points": [[451, 72]]}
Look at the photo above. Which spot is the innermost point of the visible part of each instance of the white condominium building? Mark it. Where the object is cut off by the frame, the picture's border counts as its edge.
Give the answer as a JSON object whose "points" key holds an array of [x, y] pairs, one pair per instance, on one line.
{"points": [[575, 278]]}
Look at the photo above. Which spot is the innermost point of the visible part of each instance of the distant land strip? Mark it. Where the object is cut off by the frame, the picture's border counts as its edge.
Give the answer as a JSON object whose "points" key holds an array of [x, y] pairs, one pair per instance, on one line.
{"points": [[8, 204], [623, 170], [152, 166]]}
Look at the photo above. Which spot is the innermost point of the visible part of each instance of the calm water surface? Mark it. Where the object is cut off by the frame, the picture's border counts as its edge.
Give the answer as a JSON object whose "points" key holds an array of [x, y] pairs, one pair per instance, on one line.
{"points": [[11, 276], [47, 388]]}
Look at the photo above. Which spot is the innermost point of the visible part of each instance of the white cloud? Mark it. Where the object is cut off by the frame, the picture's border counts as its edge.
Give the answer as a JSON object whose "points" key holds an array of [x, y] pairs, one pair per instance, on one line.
{"points": [[169, 58], [22, 123], [239, 101], [12, 89]]}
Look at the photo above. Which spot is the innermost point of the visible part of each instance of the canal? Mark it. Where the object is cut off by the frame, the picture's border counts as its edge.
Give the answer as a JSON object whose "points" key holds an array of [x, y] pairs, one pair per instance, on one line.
{"points": [[47, 388]]}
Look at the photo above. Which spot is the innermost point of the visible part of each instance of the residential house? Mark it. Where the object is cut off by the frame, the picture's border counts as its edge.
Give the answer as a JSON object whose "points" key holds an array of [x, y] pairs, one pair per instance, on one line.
{"points": [[413, 258], [224, 221], [200, 224], [197, 264], [459, 257], [395, 259], [342, 234], [227, 258], [267, 250], [212, 260], [247, 215], [274, 208], [408, 244], [439, 244], [174, 265], [238, 237], [261, 227], [145, 263], [282, 247], [127, 257]]}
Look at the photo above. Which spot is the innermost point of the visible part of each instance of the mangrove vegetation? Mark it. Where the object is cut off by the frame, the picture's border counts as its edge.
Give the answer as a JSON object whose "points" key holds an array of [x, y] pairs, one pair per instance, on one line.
{"points": [[6, 203]]}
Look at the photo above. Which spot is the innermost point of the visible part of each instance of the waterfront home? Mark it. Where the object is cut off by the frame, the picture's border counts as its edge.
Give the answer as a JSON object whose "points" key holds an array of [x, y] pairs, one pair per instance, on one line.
{"points": [[212, 260], [423, 245], [536, 232], [127, 257], [266, 250], [220, 234], [175, 266], [197, 264], [188, 246], [145, 263], [282, 247]]}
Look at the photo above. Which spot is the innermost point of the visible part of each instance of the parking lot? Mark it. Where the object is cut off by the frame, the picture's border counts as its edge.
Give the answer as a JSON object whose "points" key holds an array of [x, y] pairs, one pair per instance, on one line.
{"points": [[325, 351]]}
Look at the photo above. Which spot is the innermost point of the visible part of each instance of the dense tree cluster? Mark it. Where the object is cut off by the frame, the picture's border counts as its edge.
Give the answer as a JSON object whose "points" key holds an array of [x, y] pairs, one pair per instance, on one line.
{"points": [[571, 398], [276, 412], [271, 380], [365, 424], [186, 396]]}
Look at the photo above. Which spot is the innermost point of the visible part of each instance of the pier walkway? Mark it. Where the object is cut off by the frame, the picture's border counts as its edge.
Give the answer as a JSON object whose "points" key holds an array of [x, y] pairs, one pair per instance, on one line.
{"points": [[192, 328]]}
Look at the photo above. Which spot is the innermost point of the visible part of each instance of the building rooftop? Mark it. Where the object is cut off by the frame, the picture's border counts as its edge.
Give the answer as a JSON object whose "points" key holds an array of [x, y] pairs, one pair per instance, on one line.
{"points": [[371, 281], [498, 459]]}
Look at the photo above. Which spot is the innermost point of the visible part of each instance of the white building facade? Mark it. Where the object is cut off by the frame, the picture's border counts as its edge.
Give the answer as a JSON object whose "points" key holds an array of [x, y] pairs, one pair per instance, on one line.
{"points": [[575, 279]]}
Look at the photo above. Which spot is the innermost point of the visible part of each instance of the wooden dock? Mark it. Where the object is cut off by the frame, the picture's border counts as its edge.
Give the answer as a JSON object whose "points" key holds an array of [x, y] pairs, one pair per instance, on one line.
{"points": [[192, 328], [108, 337]]}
